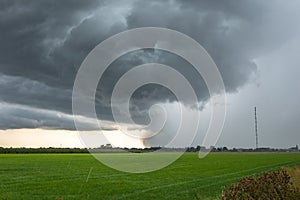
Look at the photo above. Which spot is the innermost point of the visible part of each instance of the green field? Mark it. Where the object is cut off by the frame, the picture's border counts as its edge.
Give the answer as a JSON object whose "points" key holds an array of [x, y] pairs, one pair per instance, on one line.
{"points": [[80, 176]]}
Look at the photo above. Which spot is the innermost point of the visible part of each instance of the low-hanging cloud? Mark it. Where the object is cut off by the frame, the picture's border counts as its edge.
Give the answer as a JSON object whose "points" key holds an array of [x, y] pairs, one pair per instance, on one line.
{"points": [[44, 43]]}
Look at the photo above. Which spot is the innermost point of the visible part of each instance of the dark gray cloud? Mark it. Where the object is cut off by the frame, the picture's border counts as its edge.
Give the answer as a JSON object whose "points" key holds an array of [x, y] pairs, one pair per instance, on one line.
{"points": [[44, 42], [31, 31], [19, 116], [24, 91], [234, 33]]}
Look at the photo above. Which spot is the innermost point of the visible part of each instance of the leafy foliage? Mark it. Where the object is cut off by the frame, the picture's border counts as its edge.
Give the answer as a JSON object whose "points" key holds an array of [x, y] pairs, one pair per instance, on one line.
{"points": [[273, 185]]}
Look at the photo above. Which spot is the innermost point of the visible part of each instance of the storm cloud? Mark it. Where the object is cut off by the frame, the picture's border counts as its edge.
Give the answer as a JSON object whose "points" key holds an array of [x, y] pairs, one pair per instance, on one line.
{"points": [[44, 42]]}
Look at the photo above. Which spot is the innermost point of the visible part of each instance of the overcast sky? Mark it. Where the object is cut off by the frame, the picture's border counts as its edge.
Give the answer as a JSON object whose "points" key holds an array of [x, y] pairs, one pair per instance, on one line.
{"points": [[254, 43]]}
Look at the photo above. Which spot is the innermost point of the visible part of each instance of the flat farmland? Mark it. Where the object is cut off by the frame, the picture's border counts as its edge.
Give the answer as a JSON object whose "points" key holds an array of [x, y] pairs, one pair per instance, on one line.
{"points": [[81, 176]]}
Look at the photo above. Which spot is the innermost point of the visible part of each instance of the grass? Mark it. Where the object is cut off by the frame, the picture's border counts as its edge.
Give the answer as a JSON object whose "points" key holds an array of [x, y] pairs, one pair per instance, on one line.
{"points": [[80, 176]]}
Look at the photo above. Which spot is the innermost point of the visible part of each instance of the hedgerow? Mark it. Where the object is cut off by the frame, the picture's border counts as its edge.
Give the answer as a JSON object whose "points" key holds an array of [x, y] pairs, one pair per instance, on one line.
{"points": [[273, 185]]}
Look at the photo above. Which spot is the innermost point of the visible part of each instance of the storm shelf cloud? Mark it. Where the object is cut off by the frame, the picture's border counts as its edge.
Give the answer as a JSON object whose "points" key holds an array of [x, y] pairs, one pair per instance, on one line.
{"points": [[43, 43]]}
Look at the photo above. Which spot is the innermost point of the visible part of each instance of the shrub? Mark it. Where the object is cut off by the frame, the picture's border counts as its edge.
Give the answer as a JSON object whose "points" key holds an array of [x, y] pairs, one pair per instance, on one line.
{"points": [[273, 185]]}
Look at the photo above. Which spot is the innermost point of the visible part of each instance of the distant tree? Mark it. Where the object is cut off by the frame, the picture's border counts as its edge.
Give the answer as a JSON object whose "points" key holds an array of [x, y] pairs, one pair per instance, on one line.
{"points": [[225, 149]]}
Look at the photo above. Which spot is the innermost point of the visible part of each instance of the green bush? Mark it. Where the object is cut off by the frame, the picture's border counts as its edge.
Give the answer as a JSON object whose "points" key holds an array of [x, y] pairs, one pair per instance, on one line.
{"points": [[273, 185]]}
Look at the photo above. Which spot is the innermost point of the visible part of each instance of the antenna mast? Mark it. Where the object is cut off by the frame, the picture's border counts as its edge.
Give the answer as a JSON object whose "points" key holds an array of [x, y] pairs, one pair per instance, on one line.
{"points": [[256, 132]]}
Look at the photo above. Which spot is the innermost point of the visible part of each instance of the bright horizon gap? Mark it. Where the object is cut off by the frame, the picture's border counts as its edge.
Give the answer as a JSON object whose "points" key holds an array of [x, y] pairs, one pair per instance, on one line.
{"points": [[36, 138], [45, 138]]}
